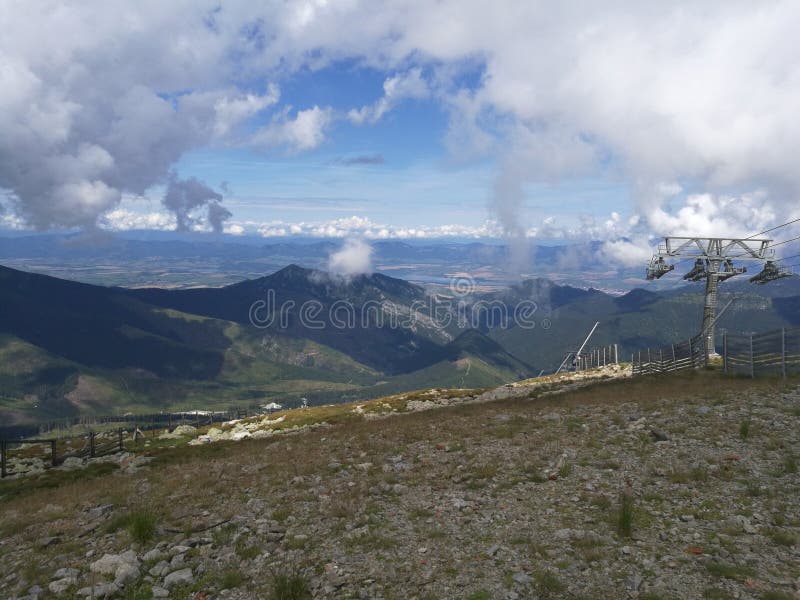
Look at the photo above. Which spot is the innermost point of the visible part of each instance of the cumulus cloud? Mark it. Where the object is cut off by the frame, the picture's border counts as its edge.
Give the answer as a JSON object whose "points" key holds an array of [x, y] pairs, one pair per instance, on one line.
{"points": [[710, 214], [364, 228], [231, 111], [217, 215], [184, 197], [612, 228], [627, 253], [354, 258], [410, 85], [121, 219], [305, 131]]}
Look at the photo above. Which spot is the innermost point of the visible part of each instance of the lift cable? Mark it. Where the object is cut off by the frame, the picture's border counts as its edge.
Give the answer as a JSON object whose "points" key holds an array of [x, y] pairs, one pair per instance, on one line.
{"points": [[787, 257], [785, 242], [770, 247], [773, 229]]}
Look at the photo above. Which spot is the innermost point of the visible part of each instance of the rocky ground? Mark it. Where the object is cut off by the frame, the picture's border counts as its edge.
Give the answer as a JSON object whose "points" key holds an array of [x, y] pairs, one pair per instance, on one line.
{"points": [[675, 487]]}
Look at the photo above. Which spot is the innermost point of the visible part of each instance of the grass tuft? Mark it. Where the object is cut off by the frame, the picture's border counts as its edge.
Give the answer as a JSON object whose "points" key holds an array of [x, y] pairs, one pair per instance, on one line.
{"points": [[289, 586], [782, 538], [728, 571], [790, 464], [744, 429], [625, 514], [142, 525], [232, 579], [547, 584]]}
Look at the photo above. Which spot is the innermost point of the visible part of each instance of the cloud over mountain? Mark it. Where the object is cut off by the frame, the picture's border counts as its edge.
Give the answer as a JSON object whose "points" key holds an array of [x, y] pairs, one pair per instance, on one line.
{"points": [[353, 258]]}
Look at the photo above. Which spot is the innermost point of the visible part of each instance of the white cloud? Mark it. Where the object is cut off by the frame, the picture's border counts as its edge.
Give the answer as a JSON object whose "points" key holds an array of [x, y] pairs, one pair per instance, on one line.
{"points": [[354, 258], [395, 90], [627, 253], [712, 215], [364, 228], [234, 229], [305, 131], [231, 111], [121, 219], [613, 228]]}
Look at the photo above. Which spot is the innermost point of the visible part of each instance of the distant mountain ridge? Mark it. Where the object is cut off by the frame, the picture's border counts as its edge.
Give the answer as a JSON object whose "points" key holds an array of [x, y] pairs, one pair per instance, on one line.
{"points": [[68, 347], [71, 346], [389, 349]]}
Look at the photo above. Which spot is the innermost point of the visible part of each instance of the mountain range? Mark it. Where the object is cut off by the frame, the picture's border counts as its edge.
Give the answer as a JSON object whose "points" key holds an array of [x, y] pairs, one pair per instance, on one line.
{"points": [[69, 348]]}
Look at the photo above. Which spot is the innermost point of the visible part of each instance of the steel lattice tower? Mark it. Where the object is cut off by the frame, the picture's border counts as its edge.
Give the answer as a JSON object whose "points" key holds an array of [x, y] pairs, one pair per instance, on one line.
{"points": [[714, 263]]}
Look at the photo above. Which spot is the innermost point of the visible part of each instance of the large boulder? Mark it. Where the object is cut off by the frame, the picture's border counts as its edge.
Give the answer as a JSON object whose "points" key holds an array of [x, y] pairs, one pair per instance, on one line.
{"points": [[123, 567], [185, 430]]}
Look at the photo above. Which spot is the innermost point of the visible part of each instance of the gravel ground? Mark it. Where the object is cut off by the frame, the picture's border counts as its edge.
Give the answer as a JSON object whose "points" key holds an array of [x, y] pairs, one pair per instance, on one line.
{"points": [[679, 487]]}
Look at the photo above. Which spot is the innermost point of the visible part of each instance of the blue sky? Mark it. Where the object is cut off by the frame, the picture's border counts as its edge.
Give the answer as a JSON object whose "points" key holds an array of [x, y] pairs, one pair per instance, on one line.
{"points": [[397, 170]]}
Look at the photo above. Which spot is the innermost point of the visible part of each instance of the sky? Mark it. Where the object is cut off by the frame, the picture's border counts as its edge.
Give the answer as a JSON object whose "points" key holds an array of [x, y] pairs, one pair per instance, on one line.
{"points": [[615, 121]]}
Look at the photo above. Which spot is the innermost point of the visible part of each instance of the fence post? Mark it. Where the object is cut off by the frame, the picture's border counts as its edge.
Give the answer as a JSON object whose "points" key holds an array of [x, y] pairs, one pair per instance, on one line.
{"points": [[783, 352], [53, 457], [691, 352], [119, 433], [91, 444], [616, 354], [673, 355], [660, 359], [752, 362], [3, 471], [725, 352]]}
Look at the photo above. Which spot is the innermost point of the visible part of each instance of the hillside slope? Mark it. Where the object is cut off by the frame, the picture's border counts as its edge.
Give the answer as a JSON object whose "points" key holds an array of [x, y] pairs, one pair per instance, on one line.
{"points": [[107, 350], [302, 334], [638, 319], [513, 498]]}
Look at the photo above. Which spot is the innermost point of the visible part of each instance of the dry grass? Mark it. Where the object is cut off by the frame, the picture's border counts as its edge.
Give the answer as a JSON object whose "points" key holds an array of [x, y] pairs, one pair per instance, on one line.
{"points": [[185, 481], [215, 467]]}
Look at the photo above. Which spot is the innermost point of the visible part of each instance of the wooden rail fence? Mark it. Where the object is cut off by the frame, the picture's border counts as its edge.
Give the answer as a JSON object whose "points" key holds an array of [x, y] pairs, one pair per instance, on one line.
{"points": [[772, 353], [94, 445], [675, 357], [598, 357]]}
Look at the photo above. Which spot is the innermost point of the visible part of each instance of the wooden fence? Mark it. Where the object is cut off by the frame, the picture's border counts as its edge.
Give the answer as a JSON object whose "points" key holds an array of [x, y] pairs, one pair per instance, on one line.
{"points": [[598, 357], [771, 353], [675, 357], [93, 445], [62, 428]]}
